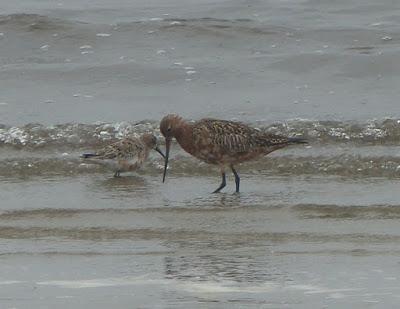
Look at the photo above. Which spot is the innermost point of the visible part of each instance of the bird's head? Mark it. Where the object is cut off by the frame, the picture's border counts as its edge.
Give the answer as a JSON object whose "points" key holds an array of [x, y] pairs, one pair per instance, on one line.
{"points": [[151, 142]]}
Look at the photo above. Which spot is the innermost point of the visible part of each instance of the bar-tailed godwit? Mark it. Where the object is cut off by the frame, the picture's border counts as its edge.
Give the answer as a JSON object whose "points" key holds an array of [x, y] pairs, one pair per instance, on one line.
{"points": [[125, 155], [220, 142]]}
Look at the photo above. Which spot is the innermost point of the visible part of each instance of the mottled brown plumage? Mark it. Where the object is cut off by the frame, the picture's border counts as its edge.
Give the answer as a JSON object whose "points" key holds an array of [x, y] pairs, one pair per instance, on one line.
{"points": [[221, 142], [125, 155]]}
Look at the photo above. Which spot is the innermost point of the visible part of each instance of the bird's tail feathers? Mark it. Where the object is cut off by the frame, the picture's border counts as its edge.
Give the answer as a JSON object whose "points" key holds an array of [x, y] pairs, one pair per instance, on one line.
{"points": [[297, 140], [88, 155]]}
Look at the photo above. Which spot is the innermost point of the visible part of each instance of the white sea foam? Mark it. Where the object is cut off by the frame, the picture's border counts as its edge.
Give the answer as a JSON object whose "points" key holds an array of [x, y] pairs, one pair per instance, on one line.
{"points": [[103, 34], [101, 282], [9, 282]]}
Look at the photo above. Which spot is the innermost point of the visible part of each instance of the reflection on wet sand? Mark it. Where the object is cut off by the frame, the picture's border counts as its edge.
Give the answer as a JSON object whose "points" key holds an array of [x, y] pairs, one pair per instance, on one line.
{"points": [[218, 266], [125, 186]]}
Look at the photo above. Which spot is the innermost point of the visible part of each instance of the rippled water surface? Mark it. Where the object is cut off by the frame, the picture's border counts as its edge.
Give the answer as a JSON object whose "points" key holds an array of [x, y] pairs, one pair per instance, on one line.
{"points": [[314, 226]]}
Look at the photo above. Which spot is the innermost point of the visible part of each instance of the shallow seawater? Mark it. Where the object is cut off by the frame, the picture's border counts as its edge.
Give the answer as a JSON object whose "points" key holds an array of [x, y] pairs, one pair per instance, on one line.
{"points": [[285, 241], [314, 226]]}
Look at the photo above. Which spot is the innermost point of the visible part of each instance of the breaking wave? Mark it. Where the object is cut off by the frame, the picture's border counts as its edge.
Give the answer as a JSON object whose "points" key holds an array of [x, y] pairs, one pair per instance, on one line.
{"points": [[73, 135]]}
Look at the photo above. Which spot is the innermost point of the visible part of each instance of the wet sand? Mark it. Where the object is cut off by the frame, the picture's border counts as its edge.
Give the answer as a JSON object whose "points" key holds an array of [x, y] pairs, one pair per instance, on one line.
{"points": [[135, 242], [314, 227]]}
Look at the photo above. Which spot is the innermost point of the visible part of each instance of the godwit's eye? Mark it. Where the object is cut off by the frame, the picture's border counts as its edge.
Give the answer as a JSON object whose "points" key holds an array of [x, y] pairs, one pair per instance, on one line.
{"points": [[169, 129]]}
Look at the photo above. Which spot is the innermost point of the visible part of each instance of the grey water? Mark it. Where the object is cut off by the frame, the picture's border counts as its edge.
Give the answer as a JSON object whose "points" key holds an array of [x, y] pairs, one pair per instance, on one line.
{"points": [[315, 226]]}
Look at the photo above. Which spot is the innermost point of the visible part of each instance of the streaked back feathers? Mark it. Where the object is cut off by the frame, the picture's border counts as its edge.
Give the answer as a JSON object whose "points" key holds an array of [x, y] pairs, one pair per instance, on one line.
{"points": [[124, 149], [236, 137]]}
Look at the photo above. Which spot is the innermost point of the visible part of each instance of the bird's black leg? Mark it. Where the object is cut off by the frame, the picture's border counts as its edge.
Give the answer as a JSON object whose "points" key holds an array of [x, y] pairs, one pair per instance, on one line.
{"points": [[237, 178], [223, 183], [117, 174]]}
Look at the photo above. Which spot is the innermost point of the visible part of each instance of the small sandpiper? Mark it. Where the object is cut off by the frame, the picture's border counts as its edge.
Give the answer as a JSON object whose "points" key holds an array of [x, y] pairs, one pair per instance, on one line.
{"points": [[220, 142], [126, 155]]}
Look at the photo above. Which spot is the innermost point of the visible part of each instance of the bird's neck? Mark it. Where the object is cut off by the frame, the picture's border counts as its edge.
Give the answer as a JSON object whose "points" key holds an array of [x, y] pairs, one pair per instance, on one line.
{"points": [[184, 136]]}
